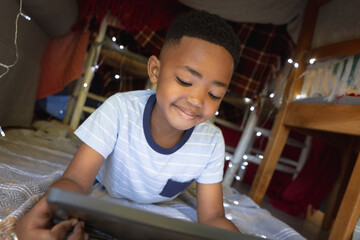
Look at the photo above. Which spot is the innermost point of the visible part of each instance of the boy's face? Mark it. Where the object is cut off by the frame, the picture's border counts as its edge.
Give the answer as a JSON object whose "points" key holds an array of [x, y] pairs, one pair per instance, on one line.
{"points": [[192, 79]]}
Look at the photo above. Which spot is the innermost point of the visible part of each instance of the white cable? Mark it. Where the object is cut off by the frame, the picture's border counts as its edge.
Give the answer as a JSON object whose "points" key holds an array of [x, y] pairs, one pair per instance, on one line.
{"points": [[7, 67]]}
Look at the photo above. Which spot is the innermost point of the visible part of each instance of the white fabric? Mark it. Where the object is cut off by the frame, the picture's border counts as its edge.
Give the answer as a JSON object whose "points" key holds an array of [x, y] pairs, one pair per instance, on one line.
{"points": [[267, 11], [332, 78], [276, 12], [338, 20], [138, 171]]}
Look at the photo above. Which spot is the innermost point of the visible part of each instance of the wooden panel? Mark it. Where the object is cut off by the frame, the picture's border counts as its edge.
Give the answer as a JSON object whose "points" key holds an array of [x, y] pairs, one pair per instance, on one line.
{"points": [[326, 117], [345, 48]]}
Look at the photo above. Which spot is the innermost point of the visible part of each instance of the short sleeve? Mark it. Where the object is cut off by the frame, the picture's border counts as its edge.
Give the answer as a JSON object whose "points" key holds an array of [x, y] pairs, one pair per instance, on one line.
{"points": [[99, 130], [214, 170]]}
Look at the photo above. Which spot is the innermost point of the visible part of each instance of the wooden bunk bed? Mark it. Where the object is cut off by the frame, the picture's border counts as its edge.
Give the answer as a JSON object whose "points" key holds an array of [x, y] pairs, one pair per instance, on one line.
{"points": [[338, 124]]}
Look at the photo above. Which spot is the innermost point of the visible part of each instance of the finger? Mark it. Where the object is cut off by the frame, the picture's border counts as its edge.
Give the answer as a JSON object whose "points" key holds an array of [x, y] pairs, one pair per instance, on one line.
{"points": [[61, 229], [78, 232]]}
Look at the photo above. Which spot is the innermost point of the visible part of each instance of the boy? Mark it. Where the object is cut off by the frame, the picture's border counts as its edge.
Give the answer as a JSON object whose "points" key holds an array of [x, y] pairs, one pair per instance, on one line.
{"points": [[148, 146]]}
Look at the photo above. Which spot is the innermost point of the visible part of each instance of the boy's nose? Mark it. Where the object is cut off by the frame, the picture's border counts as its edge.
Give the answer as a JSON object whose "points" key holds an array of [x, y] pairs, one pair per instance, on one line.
{"points": [[196, 98]]}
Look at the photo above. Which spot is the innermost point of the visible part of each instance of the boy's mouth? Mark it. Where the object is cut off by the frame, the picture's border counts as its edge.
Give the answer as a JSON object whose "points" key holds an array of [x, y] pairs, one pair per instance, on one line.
{"points": [[187, 114]]}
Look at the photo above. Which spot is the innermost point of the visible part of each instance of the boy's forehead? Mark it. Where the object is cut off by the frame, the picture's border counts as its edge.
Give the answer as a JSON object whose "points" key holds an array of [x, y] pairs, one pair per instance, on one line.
{"points": [[208, 59], [188, 45]]}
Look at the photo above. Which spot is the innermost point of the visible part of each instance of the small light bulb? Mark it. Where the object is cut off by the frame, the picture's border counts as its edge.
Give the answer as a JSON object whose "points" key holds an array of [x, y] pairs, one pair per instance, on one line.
{"points": [[236, 202], [290, 60], [247, 100], [113, 39], [217, 113], [296, 65], [230, 164], [245, 157], [237, 178], [25, 16], [121, 47], [312, 60], [258, 134], [2, 132], [243, 167], [261, 156], [272, 95], [85, 85], [252, 108], [245, 163], [117, 76], [227, 158]]}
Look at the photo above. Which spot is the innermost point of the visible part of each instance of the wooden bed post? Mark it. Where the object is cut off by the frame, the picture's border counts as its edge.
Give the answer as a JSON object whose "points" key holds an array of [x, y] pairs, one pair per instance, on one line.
{"points": [[94, 53], [280, 132]]}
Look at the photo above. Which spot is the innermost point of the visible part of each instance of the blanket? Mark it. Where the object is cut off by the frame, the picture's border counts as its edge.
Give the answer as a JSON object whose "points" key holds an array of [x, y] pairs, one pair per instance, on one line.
{"points": [[31, 160]]}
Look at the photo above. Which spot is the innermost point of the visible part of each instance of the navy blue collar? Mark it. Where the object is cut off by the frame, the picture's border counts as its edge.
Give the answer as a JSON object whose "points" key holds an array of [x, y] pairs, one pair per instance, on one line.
{"points": [[147, 130]]}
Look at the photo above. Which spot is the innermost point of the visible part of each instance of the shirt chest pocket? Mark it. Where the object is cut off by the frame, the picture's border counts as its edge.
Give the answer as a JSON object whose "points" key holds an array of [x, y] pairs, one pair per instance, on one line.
{"points": [[174, 187]]}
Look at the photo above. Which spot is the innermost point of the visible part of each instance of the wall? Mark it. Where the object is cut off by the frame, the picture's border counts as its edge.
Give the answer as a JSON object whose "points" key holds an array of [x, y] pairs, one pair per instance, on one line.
{"points": [[18, 87]]}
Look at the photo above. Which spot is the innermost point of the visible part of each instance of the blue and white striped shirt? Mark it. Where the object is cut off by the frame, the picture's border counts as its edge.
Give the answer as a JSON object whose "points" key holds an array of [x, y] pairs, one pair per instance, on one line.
{"points": [[135, 167]]}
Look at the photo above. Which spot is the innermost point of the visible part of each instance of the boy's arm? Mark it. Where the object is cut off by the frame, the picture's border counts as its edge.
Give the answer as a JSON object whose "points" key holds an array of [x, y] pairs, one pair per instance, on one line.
{"points": [[78, 177], [82, 170], [210, 209]]}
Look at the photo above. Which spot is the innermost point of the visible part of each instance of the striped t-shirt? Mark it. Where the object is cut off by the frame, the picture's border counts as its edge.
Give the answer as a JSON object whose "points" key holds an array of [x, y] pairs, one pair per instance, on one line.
{"points": [[135, 166]]}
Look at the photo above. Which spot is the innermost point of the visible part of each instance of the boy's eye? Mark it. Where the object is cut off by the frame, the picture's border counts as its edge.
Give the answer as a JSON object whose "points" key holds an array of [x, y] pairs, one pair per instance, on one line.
{"points": [[183, 83], [214, 97]]}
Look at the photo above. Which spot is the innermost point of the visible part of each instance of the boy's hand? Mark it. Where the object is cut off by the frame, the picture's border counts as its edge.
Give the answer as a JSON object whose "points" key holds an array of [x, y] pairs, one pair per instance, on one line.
{"points": [[37, 224]]}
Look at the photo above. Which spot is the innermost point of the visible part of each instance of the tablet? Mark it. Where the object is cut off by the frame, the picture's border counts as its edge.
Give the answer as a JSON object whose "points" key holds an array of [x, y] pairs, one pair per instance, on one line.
{"points": [[129, 223]]}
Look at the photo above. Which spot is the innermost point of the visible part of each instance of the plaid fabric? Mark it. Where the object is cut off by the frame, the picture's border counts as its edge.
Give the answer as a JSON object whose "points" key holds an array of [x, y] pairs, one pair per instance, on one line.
{"points": [[131, 15], [263, 49], [150, 40], [263, 46]]}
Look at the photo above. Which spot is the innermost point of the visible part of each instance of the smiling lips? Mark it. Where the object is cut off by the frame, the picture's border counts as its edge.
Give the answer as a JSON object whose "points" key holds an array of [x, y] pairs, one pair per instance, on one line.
{"points": [[189, 115]]}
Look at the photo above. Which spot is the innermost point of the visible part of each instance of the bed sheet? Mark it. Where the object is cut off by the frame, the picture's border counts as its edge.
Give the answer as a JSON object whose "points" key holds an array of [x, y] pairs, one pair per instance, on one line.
{"points": [[31, 160]]}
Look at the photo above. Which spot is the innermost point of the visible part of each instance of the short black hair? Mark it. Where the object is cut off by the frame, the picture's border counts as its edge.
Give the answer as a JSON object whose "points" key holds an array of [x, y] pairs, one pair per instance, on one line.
{"points": [[205, 26]]}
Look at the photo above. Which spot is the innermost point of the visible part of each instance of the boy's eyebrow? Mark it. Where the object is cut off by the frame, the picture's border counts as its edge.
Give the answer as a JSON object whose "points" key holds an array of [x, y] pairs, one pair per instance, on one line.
{"points": [[199, 75], [193, 71]]}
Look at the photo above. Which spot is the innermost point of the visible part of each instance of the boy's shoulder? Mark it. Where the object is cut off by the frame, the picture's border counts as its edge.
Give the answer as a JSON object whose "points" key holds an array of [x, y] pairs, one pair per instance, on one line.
{"points": [[133, 95], [208, 127], [130, 98]]}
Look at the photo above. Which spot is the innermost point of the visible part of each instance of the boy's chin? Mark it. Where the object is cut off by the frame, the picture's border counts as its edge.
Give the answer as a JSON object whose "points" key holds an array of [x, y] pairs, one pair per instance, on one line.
{"points": [[184, 125]]}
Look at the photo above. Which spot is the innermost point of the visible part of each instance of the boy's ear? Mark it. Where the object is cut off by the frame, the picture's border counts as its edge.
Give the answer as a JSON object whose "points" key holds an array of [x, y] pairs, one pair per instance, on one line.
{"points": [[153, 69]]}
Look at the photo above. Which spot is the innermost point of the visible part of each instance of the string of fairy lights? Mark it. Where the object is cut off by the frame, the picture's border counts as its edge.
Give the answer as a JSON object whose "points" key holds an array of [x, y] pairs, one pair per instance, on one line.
{"points": [[8, 66], [247, 157]]}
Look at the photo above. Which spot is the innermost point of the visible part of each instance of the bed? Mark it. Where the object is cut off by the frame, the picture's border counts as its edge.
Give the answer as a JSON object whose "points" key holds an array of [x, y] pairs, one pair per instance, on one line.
{"points": [[32, 159], [333, 117]]}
